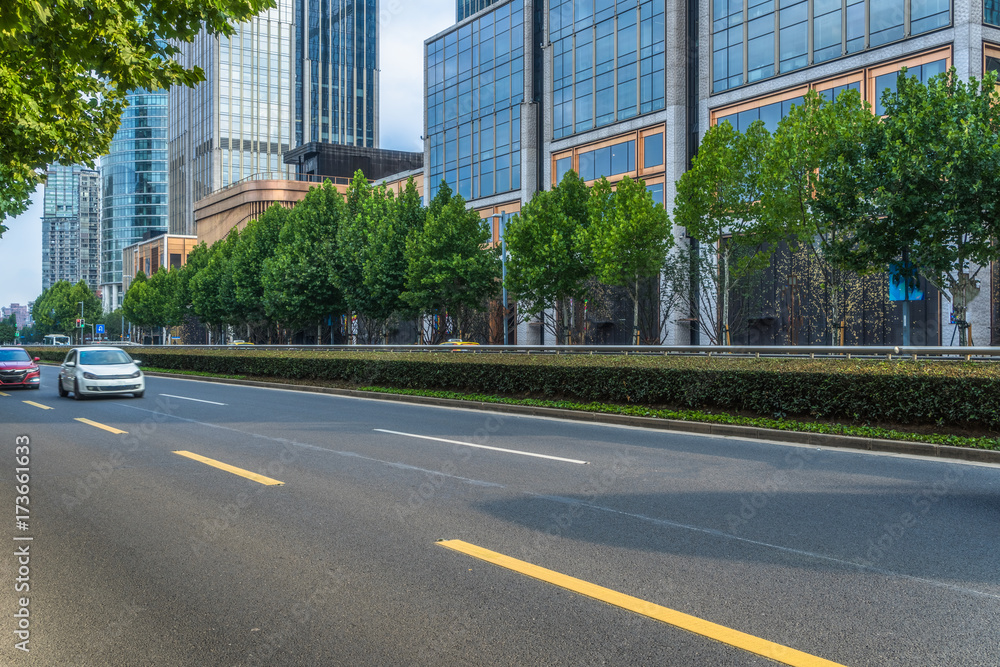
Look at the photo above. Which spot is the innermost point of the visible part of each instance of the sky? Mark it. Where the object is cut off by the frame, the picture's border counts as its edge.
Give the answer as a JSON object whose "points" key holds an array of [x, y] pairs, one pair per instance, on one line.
{"points": [[404, 25]]}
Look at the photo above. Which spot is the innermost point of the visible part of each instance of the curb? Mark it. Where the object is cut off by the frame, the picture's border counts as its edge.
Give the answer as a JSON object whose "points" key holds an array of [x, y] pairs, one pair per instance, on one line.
{"points": [[724, 430]]}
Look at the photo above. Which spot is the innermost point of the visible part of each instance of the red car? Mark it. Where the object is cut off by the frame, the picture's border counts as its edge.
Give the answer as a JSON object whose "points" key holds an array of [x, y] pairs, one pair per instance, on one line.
{"points": [[17, 369]]}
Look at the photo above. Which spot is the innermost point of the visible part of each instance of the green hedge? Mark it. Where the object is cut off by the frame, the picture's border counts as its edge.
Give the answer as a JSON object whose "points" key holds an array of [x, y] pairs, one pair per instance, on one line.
{"points": [[860, 391]]}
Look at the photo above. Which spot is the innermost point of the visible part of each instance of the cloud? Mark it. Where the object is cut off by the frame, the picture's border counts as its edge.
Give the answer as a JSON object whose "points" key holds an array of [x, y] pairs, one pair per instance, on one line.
{"points": [[405, 25]]}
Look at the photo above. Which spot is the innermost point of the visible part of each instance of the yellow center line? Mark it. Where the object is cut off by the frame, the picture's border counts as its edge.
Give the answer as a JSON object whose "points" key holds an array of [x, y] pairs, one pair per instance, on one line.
{"points": [[233, 469], [768, 649], [3, 394], [38, 405], [111, 429]]}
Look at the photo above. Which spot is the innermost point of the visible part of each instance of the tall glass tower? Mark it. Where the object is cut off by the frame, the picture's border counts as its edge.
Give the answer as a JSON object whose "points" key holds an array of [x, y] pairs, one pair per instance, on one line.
{"points": [[336, 72], [236, 124], [466, 8], [134, 174], [70, 225]]}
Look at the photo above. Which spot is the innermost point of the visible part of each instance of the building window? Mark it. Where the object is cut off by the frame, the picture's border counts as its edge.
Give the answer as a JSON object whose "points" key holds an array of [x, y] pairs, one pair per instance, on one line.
{"points": [[887, 82], [991, 12], [804, 33], [608, 65], [652, 150], [657, 191], [563, 165], [608, 161]]}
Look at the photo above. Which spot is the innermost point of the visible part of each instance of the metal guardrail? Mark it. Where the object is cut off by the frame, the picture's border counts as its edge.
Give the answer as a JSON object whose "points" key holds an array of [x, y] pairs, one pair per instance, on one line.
{"points": [[726, 351]]}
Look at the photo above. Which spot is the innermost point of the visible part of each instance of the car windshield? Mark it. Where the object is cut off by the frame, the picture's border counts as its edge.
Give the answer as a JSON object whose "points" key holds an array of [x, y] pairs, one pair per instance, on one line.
{"points": [[14, 355], [103, 357]]}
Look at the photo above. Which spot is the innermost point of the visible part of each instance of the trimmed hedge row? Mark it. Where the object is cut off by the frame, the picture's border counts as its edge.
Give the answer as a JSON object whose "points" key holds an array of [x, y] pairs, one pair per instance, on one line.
{"points": [[955, 394]]}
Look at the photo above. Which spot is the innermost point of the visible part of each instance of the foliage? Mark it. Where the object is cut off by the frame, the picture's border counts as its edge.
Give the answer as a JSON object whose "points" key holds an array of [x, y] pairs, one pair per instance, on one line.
{"points": [[718, 203], [213, 292], [549, 260], [801, 166], [57, 308], [928, 180], [862, 392], [66, 68], [8, 329], [390, 221], [629, 237], [450, 269], [299, 287], [258, 243]]}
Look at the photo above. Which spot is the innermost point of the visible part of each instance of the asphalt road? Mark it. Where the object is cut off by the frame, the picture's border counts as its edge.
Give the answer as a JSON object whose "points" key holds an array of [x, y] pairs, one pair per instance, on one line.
{"points": [[142, 556]]}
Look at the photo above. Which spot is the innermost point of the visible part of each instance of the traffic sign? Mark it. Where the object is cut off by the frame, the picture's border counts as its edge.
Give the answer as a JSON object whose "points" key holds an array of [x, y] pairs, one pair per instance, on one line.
{"points": [[99, 329]]}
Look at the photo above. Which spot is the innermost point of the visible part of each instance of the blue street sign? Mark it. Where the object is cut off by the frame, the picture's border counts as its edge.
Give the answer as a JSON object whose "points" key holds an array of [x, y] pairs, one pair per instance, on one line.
{"points": [[99, 329]]}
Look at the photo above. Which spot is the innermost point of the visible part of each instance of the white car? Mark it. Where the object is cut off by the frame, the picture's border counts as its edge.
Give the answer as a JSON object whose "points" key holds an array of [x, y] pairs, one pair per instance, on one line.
{"points": [[100, 371]]}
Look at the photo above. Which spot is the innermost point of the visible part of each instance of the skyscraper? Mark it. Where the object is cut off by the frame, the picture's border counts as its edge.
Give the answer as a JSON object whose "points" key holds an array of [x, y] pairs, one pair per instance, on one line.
{"points": [[237, 123], [335, 78], [466, 8], [134, 174], [70, 226]]}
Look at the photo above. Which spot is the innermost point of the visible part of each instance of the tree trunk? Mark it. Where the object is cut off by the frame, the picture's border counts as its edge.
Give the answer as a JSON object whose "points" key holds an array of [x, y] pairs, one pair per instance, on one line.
{"points": [[724, 338], [635, 313]]}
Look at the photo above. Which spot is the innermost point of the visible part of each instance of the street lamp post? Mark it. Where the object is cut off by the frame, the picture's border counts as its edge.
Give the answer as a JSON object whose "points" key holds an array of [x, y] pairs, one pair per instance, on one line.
{"points": [[81, 319]]}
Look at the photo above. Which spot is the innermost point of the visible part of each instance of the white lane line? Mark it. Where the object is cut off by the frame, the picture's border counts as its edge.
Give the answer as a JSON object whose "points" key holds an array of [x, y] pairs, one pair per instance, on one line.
{"points": [[495, 449], [185, 398]]}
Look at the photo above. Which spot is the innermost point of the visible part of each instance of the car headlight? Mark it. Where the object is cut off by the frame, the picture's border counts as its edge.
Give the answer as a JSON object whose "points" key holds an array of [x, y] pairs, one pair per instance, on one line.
{"points": [[89, 376], [137, 374]]}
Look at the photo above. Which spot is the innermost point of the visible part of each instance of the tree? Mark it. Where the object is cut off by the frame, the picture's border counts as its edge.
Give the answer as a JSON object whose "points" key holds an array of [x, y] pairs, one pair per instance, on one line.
{"points": [[66, 68], [549, 261], [135, 302], [258, 242], [57, 308], [298, 284], [366, 208], [451, 268], [629, 236], [384, 265], [212, 289], [8, 329], [717, 202], [801, 167], [928, 193]]}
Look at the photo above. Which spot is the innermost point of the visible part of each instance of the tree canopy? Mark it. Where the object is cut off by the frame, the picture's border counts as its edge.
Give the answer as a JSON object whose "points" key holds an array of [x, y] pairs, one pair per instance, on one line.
{"points": [[66, 68]]}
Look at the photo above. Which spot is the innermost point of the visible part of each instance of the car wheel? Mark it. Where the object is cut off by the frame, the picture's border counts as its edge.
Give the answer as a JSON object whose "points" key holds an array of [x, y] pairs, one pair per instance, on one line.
{"points": [[62, 390], [76, 390], [138, 394]]}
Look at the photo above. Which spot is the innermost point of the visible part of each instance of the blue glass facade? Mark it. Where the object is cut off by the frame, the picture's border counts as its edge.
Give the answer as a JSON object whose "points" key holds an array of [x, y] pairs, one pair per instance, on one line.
{"points": [[466, 8], [991, 12], [475, 87], [608, 62], [134, 175], [757, 39], [336, 72]]}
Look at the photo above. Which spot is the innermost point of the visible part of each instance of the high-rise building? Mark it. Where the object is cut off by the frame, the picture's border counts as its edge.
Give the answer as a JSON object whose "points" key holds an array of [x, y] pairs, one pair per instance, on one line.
{"points": [[70, 226], [134, 174], [335, 74], [519, 92], [466, 8], [236, 124]]}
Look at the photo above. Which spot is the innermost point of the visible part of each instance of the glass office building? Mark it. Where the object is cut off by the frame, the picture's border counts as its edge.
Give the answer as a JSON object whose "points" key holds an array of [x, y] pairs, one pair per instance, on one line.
{"points": [[237, 123], [466, 8], [336, 72], [757, 39], [70, 226], [608, 62], [134, 185], [475, 87]]}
